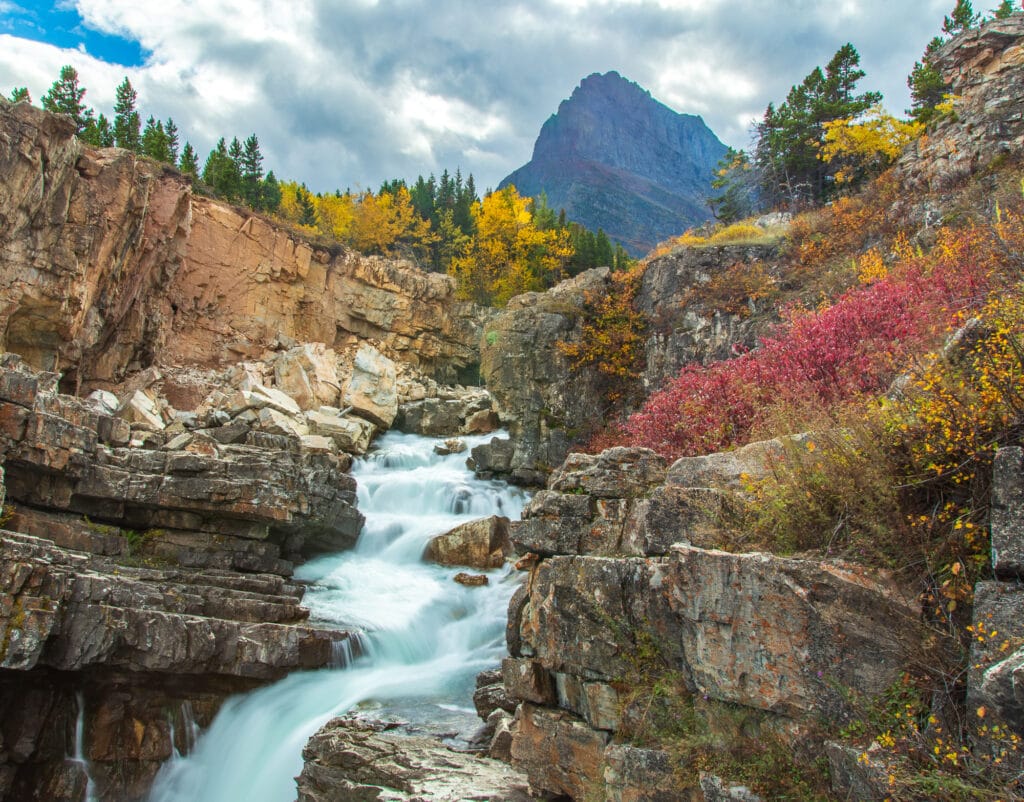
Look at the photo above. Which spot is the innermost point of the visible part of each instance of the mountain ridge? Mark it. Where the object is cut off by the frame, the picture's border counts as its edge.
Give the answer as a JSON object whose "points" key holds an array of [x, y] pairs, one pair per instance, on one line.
{"points": [[616, 158]]}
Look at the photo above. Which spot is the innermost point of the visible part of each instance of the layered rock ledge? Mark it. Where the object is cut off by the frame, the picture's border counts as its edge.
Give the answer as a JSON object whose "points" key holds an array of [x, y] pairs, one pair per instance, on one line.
{"points": [[147, 581]]}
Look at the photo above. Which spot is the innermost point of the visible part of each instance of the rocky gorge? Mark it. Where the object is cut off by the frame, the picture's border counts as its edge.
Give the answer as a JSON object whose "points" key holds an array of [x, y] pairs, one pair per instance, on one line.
{"points": [[183, 391]]}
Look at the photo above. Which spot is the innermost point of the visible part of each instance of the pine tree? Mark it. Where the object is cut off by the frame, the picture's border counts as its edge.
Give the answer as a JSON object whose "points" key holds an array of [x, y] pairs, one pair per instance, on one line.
{"points": [[154, 142], [221, 171], [171, 130], [65, 97], [307, 216], [189, 164], [962, 19], [127, 121], [736, 180], [604, 256], [98, 132], [271, 192], [1005, 9], [927, 88], [252, 173], [789, 137], [20, 93]]}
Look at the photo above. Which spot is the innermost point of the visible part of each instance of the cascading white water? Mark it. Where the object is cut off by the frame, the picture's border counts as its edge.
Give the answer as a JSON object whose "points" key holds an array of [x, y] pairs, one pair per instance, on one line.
{"points": [[423, 637], [79, 752]]}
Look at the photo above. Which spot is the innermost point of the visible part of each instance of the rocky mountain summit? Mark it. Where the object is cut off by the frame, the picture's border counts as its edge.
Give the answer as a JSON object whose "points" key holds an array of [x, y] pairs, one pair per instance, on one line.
{"points": [[615, 158]]}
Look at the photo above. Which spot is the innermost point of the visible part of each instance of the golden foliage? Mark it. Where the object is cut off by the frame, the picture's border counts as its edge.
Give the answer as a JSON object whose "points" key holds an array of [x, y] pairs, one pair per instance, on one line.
{"points": [[867, 144], [510, 255]]}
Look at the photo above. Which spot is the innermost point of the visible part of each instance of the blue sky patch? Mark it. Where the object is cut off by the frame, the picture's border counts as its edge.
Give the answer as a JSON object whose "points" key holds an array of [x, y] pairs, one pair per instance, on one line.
{"points": [[59, 23]]}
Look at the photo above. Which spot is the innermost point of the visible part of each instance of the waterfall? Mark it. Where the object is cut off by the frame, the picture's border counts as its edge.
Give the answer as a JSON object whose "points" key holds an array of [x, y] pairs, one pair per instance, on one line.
{"points": [[78, 757], [422, 637]]}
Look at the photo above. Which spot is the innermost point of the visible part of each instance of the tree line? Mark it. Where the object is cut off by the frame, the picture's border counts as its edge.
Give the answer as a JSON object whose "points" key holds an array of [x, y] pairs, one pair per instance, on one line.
{"points": [[232, 171], [826, 135]]}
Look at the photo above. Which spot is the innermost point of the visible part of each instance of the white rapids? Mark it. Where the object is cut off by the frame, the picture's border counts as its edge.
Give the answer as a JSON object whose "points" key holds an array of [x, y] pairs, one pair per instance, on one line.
{"points": [[423, 636]]}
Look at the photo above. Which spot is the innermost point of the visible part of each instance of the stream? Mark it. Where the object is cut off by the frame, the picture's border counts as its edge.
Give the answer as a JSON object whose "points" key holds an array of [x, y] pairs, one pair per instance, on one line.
{"points": [[422, 637]]}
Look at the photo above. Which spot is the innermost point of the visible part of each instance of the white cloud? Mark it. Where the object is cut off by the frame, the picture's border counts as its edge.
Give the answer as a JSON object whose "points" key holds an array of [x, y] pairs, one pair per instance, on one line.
{"points": [[349, 94]]}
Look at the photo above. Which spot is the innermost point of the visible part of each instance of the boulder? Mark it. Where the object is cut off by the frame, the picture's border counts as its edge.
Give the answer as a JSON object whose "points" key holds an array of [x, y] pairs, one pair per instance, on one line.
{"points": [[363, 760], [481, 544], [308, 373], [493, 458], [141, 408], [560, 754], [274, 422], [349, 433], [1008, 513], [472, 580], [370, 388], [614, 473]]}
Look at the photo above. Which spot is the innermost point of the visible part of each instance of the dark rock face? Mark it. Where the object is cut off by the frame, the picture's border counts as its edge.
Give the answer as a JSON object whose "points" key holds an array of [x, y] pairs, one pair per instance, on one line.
{"points": [[621, 573], [684, 330], [615, 158], [546, 404]]}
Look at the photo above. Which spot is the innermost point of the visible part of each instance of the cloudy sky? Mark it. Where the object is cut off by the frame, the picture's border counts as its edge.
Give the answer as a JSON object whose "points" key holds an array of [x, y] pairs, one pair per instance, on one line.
{"points": [[347, 93]]}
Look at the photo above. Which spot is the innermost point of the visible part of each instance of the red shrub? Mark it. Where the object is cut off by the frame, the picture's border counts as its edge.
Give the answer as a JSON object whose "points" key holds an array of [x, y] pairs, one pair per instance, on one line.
{"points": [[842, 352]]}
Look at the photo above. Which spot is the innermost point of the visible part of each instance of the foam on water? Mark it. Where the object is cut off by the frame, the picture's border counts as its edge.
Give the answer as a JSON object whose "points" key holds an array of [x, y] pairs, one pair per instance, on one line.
{"points": [[423, 636]]}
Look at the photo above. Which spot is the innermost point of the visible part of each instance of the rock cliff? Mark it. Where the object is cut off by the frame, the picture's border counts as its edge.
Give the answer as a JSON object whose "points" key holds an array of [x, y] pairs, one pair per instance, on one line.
{"points": [[616, 159], [634, 645], [112, 264], [143, 576], [983, 67]]}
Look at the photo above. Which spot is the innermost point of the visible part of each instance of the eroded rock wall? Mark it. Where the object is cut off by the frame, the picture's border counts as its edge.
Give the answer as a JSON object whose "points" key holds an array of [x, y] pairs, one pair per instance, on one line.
{"points": [[984, 68], [109, 263], [620, 598], [143, 576]]}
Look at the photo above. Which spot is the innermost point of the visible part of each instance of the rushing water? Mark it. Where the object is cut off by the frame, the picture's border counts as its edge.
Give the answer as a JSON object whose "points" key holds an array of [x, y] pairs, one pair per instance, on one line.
{"points": [[423, 637], [79, 753]]}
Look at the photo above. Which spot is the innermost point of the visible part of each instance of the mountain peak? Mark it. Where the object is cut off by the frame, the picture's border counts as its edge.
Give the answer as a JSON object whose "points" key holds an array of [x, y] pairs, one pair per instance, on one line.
{"points": [[615, 158]]}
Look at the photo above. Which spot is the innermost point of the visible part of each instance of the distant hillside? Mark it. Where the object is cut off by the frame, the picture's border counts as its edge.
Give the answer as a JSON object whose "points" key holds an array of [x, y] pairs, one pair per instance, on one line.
{"points": [[615, 158]]}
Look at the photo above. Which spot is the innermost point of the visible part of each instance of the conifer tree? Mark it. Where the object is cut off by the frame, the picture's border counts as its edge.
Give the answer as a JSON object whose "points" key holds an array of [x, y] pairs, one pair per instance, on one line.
{"points": [[252, 172], [736, 181], [789, 137], [189, 164], [927, 88], [171, 131], [221, 171], [65, 97], [1004, 10], [307, 215], [961, 19], [127, 122], [154, 141], [604, 256], [271, 192], [20, 93], [99, 133]]}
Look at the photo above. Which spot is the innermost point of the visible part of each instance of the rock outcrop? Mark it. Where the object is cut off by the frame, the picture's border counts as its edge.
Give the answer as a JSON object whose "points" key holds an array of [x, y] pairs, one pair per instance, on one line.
{"points": [[148, 556], [111, 264], [354, 759], [545, 405], [983, 66], [686, 328], [789, 641]]}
